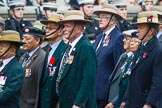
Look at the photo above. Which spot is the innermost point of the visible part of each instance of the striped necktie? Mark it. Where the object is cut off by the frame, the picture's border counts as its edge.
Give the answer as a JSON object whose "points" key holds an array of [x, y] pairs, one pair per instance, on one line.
{"points": [[62, 66]]}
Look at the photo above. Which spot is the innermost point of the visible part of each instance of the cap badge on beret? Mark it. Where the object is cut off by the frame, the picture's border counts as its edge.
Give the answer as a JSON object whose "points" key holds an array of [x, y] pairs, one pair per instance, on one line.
{"points": [[149, 18], [27, 30]]}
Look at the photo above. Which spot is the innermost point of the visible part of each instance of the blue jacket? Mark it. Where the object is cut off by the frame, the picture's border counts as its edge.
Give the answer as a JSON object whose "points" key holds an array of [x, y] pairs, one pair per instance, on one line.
{"points": [[107, 57]]}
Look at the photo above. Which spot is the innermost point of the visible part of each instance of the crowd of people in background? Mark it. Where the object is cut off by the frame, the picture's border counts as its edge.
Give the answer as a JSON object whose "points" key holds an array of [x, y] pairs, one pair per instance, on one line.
{"points": [[81, 58]]}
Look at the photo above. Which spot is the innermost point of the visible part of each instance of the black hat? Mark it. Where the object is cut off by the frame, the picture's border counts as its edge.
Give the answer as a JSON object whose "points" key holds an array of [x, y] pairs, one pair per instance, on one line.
{"points": [[74, 4], [33, 31]]}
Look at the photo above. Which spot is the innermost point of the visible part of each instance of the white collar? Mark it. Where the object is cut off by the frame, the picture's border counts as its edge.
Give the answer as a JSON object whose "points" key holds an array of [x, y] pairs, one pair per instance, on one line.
{"points": [[6, 61], [108, 31], [32, 52], [75, 41]]}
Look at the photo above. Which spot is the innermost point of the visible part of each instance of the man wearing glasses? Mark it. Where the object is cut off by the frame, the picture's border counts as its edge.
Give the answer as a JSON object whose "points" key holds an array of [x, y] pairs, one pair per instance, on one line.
{"points": [[16, 22]]}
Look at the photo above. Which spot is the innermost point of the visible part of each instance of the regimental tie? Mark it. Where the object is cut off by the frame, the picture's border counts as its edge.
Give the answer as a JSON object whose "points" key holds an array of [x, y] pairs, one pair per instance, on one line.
{"points": [[101, 41], [25, 60], [62, 66], [1, 63]]}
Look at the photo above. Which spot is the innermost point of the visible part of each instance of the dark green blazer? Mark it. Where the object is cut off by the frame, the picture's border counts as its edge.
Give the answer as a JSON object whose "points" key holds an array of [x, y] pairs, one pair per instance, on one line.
{"points": [[48, 95], [9, 97], [77, 83]]}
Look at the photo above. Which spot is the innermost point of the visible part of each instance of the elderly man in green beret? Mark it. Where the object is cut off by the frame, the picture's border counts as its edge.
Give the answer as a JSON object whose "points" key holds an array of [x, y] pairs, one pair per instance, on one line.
{"points": [[11, 72], [32, 62]]}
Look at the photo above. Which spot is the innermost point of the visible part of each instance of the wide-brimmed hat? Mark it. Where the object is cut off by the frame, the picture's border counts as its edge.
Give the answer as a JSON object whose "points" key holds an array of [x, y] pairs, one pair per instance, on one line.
{"points": [[110, 9], [10, 36], [129, 32], [157, 9], [53, 19], [74, 15], [147, 17], [85, 2], [16, 3], [33, 31]]}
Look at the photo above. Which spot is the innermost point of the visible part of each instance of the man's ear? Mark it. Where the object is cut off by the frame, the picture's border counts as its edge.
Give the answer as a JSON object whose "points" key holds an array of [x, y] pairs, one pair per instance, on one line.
{"points": [[60, 31]]}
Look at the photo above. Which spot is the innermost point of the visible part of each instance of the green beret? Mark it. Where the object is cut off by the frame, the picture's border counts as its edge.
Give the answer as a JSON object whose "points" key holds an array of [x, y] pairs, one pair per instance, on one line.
{"points": [[33, 31]]}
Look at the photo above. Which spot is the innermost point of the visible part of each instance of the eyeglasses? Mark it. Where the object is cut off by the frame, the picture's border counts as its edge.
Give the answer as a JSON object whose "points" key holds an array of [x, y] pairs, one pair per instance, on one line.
{"points": [[49, 28], [18, 9], [103, 17]]}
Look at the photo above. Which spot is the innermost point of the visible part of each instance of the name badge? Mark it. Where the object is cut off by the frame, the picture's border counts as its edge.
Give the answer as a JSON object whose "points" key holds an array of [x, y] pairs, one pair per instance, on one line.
{"points": [[28, 72]]}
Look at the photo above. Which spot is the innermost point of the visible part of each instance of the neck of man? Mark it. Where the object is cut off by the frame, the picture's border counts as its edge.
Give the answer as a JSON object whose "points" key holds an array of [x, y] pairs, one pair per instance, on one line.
{"points": [[52, 41]]}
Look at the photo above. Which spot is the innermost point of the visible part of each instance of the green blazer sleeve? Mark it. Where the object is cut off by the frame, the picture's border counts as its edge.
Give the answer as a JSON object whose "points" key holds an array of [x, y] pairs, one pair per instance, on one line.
{"points": [[89, 64], [11, 89]]}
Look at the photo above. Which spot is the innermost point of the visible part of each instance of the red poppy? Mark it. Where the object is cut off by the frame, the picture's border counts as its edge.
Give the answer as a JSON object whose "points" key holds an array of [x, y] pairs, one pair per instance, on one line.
{"points": [[34, 56], [151, 17], [1, 74], [52, 60], [144, 55], [107, 38]]}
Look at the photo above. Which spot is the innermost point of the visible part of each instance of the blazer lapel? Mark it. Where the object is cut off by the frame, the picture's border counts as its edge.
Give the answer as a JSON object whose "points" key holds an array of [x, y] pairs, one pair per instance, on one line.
{"points": [[121, 61], [67, 66], [146, 50], [57, 55], [4, 70], [32, 58]]}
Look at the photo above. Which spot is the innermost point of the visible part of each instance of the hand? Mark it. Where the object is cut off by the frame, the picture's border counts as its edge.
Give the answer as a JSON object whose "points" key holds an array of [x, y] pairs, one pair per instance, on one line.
{"points": [[122, 105], [110, 105], [74, 106], [147, 106]]}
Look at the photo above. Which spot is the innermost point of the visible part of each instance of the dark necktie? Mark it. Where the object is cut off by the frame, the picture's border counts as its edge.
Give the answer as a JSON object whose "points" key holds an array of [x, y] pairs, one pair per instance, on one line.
{"points": [[100, 42], [25, 60], [1, 63]]}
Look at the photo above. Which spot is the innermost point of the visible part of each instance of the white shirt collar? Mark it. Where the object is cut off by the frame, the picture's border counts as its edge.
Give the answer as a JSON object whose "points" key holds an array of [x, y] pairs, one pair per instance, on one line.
{"points": [[108, 31], [5, 62], [32, 52], [75, 41]]}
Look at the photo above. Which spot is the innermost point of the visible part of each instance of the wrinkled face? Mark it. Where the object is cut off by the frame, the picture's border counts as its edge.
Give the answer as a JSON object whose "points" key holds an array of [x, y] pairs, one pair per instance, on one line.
{"points": [[88, 10], [67, 30], [30, 41], [148, 5], [127, 40], [51, 27], [134, 44], [3, 48], [103, 20], [123, 12], [49, 13], [19, 12], [142, 29]]}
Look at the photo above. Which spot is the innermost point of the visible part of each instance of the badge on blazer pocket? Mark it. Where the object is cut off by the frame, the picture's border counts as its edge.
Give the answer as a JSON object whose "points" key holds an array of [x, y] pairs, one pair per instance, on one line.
{"points": [[70, 59], [28, 72]]}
